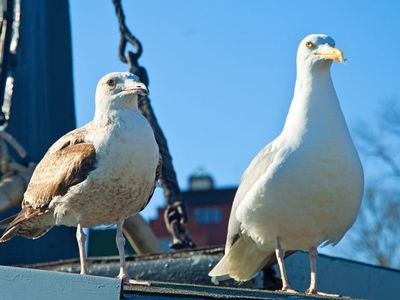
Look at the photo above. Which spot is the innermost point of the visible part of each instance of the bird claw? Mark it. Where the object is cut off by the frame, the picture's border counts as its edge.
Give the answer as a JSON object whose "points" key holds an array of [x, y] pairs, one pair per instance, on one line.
{"points": [[135, 282], [289, 290], [316, 292], [127, 280]]}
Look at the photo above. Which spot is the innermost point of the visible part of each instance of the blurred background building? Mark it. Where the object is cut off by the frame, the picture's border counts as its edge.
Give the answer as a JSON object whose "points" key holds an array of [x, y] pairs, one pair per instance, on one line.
{"points": [[208, 209]]}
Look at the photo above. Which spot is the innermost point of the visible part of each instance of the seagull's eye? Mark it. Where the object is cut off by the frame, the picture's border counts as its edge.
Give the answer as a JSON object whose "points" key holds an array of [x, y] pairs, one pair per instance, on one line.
{"points": [[309, 44], [111, 83]]}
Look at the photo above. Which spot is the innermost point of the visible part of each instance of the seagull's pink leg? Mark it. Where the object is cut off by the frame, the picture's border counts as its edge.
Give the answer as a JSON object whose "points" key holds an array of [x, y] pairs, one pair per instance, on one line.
{"points": [[123, 271], [313, 283], [280, 255], [81, 238]]}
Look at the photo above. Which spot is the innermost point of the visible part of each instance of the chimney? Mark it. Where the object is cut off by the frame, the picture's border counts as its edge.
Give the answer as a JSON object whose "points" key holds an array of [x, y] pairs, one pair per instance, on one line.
{"points": [[200, 180]]}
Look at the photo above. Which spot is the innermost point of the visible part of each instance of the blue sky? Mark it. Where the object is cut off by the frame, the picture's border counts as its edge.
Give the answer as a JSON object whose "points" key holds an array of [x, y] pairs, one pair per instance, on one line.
{"points": [[222, 72]]}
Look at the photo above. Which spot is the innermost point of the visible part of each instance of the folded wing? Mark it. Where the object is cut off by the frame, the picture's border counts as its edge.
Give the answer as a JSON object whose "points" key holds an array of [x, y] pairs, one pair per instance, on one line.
{"points": [[67, 163]]}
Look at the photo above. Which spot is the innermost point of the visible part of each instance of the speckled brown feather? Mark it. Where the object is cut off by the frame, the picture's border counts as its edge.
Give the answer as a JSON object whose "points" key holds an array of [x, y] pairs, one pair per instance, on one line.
{"points": [[66, 164], [57, 172]]}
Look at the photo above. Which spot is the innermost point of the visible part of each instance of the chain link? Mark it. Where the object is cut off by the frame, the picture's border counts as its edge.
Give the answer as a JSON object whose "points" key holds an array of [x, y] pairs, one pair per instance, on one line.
{"points": [[126, 36]]}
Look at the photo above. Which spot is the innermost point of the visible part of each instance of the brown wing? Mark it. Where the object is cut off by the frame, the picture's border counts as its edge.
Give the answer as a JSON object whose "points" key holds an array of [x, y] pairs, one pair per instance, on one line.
{"points": [[67, 163], [57, 172]]}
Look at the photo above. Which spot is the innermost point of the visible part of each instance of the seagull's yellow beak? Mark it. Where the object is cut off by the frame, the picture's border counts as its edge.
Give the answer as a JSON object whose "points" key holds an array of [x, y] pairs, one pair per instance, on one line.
{"points": [[331, 53]]}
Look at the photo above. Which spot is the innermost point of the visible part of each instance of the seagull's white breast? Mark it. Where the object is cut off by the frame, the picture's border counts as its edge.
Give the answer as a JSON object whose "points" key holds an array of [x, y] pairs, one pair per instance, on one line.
{"points": [[123, 180], [312, 190]]}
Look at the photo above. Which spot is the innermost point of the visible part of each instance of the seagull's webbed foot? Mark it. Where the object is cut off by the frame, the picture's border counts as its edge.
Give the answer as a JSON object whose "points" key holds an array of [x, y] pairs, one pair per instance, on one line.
{"points": [[136, 282], [316, 292], [127, 280], [288, 289]]}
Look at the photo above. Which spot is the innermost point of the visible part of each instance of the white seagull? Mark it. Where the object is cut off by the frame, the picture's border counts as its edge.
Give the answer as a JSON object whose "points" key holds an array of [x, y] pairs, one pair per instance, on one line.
{"points": [[305, 187], [101, 173]]}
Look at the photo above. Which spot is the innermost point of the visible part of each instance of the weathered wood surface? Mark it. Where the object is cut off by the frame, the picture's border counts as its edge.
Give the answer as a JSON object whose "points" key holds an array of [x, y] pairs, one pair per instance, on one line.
{"points": [[22, 284]]}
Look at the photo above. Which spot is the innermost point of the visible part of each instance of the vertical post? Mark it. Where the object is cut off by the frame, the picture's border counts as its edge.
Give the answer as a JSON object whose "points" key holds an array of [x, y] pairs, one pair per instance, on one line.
{"points": [[42, 110], [43, 105]]}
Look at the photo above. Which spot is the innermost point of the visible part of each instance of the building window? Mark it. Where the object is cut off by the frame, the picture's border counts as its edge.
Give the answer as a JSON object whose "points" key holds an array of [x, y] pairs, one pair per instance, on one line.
{"points": [[208, 215]]}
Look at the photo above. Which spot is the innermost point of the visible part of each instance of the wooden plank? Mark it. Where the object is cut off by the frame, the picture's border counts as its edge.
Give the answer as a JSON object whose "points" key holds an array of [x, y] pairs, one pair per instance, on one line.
{"points": [[22, 283]]}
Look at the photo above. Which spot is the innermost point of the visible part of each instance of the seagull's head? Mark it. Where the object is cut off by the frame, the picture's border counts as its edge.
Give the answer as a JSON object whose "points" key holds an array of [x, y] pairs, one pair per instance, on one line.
{"points": [[317, 51], [119, 90]]}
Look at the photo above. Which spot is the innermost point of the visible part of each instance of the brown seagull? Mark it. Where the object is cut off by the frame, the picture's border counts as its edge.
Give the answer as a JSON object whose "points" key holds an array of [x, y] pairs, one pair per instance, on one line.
{"points": [[101, 173]]}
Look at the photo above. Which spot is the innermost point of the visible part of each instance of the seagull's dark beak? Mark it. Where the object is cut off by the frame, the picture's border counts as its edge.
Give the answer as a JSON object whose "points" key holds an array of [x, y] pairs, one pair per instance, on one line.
{"points": [[138, 88], [331, 53]]}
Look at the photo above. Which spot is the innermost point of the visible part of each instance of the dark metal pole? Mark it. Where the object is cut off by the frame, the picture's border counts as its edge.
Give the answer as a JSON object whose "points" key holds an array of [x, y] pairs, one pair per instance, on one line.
{"points": [[42, 106]]}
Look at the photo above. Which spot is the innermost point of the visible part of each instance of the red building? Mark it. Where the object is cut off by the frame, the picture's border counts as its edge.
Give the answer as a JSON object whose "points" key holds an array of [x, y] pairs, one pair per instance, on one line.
{"points": [[208, 211]]}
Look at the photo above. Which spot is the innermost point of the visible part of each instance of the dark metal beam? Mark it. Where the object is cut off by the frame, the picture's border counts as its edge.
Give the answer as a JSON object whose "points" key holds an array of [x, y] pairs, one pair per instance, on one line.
{"points": [[42, 110]]}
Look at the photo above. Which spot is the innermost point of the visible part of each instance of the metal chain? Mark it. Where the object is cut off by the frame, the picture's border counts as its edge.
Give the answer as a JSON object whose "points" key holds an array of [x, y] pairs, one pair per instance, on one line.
{"points": [[15, 174], [126, 35], [6, 59], [175, 214], [9, 37]]}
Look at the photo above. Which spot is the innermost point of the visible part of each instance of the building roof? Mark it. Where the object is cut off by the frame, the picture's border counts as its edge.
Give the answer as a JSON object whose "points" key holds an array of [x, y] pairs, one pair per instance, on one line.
{"points": [[211, 196]]}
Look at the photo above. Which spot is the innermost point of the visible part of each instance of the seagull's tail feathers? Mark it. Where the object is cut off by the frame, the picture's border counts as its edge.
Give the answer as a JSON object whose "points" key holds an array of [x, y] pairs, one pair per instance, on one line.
{"points": [[29, 222], [242, 262]]}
